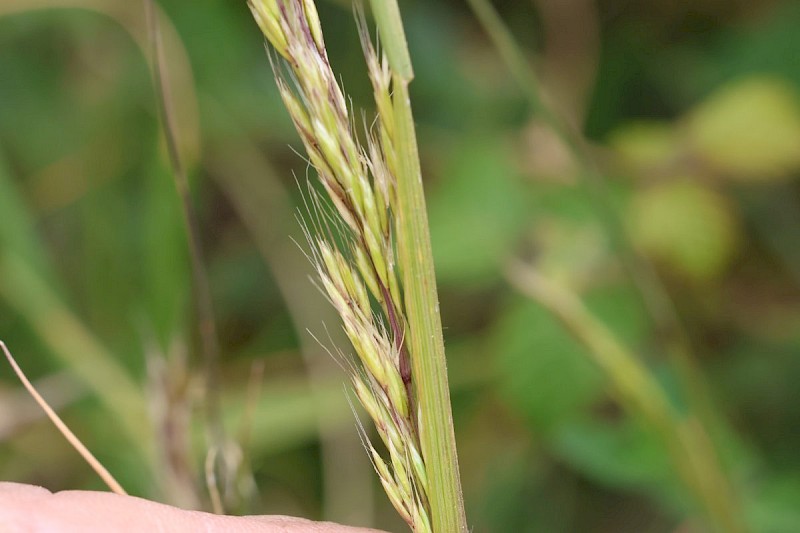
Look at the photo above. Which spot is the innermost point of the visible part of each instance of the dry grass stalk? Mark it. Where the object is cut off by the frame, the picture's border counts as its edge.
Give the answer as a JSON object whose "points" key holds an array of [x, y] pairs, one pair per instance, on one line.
{"points": [[360, 183], [74, 441]]}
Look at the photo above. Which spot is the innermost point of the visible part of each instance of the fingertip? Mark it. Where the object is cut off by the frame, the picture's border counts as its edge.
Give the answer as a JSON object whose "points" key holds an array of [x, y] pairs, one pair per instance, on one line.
{"points": [[32, 508], [21, 489]]}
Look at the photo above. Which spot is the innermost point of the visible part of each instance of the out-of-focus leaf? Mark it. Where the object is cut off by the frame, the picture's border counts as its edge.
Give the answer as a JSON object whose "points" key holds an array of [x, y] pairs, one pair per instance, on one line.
{"points": [[620, 308], [514, 478], [620, 454], [544, 372], [761, 377], [477, 211], [687, 226], [568, 252], [645, 145], [775, 509], [749, 130], [163, 252], [570, 203], [17, 231]]}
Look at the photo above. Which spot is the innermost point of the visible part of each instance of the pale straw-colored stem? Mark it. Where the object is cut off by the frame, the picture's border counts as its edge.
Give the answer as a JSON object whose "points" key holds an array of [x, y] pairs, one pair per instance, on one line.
{"points": [[74, 441]]}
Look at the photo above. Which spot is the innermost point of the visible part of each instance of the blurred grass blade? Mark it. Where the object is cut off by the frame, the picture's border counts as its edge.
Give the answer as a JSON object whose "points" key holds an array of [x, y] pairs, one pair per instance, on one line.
{"points": [[24, 286], [17, 232], [204, 309], [27, 289], [130, 16], [654, 295], [70, 341]]}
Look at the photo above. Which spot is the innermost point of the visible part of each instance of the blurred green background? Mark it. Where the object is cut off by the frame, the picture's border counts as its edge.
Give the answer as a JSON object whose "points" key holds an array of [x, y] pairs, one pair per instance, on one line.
{"points": [[691, 111]]}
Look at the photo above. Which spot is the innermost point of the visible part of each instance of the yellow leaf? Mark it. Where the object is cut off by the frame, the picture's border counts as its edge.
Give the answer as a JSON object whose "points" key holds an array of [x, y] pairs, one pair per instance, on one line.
{"points": [[749, 130], [645, 145], [686, 226]]}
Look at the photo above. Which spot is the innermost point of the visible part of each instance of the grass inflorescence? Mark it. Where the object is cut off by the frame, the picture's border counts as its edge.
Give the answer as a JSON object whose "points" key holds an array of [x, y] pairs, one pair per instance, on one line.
{"points": [[359, 272]]}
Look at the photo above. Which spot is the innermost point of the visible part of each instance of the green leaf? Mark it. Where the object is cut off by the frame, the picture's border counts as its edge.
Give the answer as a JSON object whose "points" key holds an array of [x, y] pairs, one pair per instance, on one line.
{"points": [[476, 212], [544, 372], [163, 252], [775, 509], [619, 454], [18, 230]]}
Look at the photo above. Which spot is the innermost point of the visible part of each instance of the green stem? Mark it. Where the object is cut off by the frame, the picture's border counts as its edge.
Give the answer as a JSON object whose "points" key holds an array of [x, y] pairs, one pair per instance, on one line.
{"points": [[428, 363], [429, 366], [390, 25]]}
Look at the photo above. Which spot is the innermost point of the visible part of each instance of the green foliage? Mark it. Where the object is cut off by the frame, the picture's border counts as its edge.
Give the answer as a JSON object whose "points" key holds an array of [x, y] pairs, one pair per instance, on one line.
{"points": [[621, 454], [477, 211], [542, 370]]}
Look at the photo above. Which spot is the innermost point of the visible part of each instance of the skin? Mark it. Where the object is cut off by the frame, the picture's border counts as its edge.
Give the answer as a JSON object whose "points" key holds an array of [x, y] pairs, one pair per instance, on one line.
{"points": [[30, 509]]}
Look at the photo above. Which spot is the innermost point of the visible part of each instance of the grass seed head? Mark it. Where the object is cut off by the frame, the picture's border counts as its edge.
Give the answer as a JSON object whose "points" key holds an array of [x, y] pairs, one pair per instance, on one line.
{"points": [[359, 180]]}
